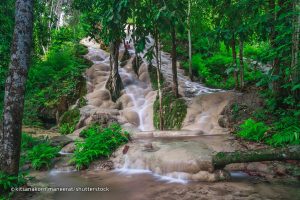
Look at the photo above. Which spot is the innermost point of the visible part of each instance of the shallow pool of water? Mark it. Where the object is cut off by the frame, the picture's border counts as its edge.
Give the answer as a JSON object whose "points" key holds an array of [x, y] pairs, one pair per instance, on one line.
{"points": [[144, 186]]}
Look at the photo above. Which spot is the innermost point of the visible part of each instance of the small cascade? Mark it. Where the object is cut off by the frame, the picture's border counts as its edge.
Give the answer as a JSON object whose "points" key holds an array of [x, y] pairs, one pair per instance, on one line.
{"points": [[127, 170], [171, 160], [137, 90]]}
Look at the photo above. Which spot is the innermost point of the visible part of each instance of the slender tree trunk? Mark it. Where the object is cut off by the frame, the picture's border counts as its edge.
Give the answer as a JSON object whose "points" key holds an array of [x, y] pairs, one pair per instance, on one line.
{"points": [[158, 63], [174, 62], [10, 138], [190, 42], [234, 57], [114, 83], [273, 35], [241, 56], [220, 160]]}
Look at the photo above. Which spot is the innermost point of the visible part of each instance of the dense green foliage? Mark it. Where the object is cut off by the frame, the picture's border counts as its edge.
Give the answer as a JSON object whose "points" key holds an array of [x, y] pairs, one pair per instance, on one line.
{"points": [[6, 34], [174, 112], [55, 81], [217, 70], [253, 130], [9, 181], [99, 143], [37, 152], [280, 131], [41, 155]]}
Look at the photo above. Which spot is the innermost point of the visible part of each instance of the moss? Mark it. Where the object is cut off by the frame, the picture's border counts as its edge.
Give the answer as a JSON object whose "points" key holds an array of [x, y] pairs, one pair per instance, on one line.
{"points": [[174, 112], [69, 121], [153, 77]]}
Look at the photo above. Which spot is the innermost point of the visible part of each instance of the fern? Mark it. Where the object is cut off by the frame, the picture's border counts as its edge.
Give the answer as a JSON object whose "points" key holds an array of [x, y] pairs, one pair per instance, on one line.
{"points": [[9, 181], [287, 131], [42, 155], [98, 143], [252, 130]]}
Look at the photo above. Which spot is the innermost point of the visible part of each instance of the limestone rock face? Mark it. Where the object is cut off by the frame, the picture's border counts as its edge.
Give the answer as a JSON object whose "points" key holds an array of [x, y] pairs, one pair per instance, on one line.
{"points": [[189, 159]]}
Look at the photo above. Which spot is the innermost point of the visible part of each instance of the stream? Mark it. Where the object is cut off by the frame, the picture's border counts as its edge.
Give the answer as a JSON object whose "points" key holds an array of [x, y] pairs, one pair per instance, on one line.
{"points": [[137, 186], [159, 167]]}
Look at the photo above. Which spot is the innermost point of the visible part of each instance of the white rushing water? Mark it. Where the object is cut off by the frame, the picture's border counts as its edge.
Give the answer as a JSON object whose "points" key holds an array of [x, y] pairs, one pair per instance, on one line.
{"points": [[127, 170]]}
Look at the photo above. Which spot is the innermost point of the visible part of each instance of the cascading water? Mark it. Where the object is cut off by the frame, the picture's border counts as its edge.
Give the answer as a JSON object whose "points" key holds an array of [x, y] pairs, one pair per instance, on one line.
{"points": [[171, 161], [138, 90]]}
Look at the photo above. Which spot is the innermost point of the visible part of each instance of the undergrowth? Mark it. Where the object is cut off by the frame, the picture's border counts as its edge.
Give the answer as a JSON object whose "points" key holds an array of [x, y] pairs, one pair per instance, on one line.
{"points": [[37, 152], [99, 143], [55, 80], [69, 121], [280, 131]]}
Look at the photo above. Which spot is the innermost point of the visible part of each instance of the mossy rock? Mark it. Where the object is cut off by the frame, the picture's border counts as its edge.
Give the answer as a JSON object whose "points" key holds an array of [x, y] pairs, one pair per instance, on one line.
{"points": [[174, 112], [153, 77]]}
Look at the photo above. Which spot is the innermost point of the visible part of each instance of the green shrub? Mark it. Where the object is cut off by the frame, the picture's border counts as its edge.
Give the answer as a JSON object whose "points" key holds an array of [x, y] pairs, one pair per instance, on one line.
{"points": [[213, 70], [286, 131], [41, 155], [174, 112], [91, 130], [99, 143], [252, 130], [256, 51], [9, 181], [69, 121]]}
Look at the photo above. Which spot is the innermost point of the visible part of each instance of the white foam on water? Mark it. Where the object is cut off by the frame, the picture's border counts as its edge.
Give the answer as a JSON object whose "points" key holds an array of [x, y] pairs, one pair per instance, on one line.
{"points": [[64, 153]]}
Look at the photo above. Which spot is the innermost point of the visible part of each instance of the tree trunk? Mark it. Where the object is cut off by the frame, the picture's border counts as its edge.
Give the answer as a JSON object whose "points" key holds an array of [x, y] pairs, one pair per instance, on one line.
{"points": [[234, 57], [190, 42], [161, 119], [114, 83], [10, 138], [241, 56], [220, 160], [174, 62], [273, 35]]}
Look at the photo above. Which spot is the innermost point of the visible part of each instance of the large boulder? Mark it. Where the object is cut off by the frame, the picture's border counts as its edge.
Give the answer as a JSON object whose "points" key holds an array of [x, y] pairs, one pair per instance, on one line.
{"points": [[132, 117]]}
